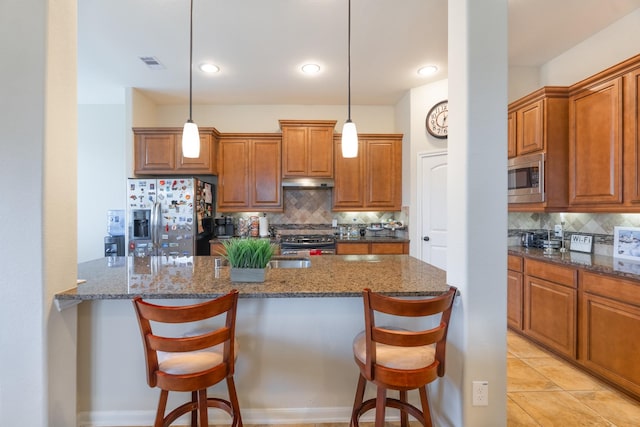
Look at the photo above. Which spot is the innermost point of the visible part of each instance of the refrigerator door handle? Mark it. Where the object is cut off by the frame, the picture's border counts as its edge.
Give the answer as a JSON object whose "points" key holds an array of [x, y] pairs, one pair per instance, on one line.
{"points": [[154, 227]]}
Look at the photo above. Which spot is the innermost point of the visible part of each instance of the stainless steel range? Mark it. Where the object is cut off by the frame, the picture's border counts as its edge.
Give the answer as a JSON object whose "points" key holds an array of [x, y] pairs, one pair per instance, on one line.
{"points": [[305, 244]]}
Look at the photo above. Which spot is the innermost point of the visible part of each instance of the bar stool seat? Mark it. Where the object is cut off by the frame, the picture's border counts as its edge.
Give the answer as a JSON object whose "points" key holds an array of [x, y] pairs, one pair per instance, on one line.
{"points": [[191, 362], [400, 359]]}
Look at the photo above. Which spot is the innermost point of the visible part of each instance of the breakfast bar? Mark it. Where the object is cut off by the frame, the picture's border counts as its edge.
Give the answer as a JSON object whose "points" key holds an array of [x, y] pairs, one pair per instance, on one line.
{"points": [[295, 331]]}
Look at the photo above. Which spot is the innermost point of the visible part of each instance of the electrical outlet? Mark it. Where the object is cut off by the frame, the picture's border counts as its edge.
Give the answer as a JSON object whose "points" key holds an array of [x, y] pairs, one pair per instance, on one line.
{"points": [[481, 393], [558, 230]]}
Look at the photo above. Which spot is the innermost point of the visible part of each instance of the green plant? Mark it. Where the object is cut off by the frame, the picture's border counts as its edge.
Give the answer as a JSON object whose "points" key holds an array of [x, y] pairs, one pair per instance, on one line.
{"points": [[248, 253]]}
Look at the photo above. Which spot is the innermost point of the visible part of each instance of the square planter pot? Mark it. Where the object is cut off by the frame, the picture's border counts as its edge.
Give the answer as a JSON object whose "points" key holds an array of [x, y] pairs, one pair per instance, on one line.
{"points": [[248, 274]]}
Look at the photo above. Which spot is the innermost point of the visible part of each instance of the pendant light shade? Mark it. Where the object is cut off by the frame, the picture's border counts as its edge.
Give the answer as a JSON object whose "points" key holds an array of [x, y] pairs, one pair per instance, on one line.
{"points": [[190, 140], [349, 132], [190, 134], [349, 140]]}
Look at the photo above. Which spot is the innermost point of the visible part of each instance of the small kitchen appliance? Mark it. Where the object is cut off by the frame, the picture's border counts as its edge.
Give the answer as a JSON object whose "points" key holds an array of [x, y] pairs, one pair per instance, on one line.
{"points": [[220, 227], [526, 179], [532, 239]]}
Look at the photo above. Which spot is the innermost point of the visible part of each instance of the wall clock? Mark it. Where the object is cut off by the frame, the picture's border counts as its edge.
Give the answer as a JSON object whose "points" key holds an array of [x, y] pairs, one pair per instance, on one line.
{"points": [[437, 124]]}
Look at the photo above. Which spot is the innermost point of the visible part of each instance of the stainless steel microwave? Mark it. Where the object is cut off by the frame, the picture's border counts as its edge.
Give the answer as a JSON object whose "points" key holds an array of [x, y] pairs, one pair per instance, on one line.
{"points": [[526, 179]]}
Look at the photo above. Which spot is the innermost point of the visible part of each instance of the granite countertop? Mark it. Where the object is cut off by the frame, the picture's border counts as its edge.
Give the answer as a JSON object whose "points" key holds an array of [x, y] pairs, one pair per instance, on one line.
{"points": [[195, 277], [596, 263]]}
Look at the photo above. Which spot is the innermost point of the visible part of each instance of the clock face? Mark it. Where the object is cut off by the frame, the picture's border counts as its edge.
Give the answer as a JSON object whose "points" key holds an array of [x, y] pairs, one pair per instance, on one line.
{"points": [[437, 124]]}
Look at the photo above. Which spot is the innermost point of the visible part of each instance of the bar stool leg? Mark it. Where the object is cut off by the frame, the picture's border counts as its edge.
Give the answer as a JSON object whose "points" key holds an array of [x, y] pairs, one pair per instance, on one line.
{"points": [[194, 413], [202, 407], [425, 406], [233, 398], [381, 406], [404, 418], [162, 404]]}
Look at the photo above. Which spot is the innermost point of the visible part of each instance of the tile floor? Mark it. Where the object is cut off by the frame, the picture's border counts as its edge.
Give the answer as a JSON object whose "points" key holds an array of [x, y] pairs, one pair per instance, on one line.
{"points": [[546, 391]]}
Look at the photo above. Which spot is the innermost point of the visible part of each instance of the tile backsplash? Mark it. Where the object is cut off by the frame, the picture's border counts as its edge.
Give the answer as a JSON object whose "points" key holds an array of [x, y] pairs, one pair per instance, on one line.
{"points": [[601, 226], [313, 207]]}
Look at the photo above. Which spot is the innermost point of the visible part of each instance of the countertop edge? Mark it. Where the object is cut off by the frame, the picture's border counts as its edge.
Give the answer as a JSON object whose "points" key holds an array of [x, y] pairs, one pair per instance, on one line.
{"points": [[594, 263]]}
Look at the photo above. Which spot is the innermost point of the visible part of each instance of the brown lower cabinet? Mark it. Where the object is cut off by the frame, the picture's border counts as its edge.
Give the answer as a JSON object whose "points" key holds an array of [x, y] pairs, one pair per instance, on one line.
{"points": [[374, 248], [609, 327], [515, 292], [589, 318]]}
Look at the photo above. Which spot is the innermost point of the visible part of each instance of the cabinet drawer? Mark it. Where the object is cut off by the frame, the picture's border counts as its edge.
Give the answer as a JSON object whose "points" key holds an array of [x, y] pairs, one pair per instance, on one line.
{"points": [[514, 262], [554, 273], [387, 248], [627, 291], [352, 248]]}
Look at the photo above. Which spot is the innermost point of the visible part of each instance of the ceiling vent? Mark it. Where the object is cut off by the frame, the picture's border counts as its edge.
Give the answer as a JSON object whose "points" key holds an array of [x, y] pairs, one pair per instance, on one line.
{"points": [[152, 62]]}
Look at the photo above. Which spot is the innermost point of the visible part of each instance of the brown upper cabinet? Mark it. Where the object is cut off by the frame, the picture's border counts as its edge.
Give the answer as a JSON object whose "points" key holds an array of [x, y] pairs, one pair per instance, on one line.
{"points": [[159, 151], [249, 176], [307, 148], [538, 123], [604, 139], [373, 180]]}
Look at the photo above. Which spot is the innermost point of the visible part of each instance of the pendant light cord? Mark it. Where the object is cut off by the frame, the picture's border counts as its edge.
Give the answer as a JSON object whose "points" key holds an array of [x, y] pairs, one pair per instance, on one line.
{"points": [[349, 65], [191, 60]]}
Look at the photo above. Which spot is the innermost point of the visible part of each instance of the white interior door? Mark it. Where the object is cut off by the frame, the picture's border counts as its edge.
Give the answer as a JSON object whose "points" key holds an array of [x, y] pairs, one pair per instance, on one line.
{"points": [[432, 204]]}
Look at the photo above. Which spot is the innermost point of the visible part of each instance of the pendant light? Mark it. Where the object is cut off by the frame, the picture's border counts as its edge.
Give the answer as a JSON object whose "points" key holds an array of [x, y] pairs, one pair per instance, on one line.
{"points": [[190, 134], [349, 132]]}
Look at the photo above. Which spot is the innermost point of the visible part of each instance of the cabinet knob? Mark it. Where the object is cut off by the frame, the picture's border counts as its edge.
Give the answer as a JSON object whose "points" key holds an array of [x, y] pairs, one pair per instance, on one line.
{"points": [[425, 238]]}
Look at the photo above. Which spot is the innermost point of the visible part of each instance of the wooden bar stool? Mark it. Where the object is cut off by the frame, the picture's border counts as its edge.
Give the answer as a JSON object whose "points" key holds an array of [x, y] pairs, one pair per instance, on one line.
{"points": [[193, 362], [400, 359]]}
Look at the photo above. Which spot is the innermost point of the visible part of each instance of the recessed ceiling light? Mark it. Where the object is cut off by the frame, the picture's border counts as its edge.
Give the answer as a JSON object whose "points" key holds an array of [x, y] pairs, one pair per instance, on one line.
{"points": [[311, 68], [209, 68], [428, 70]]}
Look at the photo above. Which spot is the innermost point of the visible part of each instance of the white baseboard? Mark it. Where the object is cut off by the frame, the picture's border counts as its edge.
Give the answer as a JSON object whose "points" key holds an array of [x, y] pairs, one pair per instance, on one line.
{"points": [[249, 416]]}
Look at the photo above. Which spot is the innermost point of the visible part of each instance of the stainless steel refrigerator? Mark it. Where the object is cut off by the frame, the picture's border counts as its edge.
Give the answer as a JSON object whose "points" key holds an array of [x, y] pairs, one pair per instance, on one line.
{"points": [[170, 216]]}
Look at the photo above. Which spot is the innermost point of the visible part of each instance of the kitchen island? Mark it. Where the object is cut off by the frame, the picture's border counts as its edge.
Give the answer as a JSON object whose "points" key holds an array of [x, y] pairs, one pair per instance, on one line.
{"points": [[295, 362]]}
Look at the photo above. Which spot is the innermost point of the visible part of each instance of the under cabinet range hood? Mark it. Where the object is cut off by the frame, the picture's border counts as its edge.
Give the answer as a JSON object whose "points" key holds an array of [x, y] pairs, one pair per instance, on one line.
{"points": [[307, 182]]}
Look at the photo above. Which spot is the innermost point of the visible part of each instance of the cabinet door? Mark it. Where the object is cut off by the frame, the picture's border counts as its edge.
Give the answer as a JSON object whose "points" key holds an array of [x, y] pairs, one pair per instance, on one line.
{"points": [[204, 164], [352, 248], [530, 129], [233, 179], [511, 135], [383, 174], [294, 152], [515, 294], [320, 152], [610, 340], [632, 137], [266, 184], [348, 192], [155, 153], [595, 144], [550, 314], [307, 151]]}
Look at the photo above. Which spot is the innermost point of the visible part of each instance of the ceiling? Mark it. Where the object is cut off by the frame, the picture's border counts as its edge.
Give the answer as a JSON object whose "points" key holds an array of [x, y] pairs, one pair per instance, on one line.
{"points": [[261, 44]]}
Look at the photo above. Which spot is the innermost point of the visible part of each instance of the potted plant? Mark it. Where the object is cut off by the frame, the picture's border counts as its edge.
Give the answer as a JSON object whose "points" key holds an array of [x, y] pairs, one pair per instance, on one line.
{"points": [[248, 258]]}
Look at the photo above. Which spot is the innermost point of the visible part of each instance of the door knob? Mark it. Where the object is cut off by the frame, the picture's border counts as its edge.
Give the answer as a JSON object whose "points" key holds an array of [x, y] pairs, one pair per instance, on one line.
{"points": [[425, 238]]}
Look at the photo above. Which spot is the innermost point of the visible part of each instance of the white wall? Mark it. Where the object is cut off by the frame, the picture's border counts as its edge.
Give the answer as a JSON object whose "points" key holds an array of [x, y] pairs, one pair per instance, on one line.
{"points": [[101, 166], [37, 220], [421, 100], [614, 44], [264, 118], [523, 81]]}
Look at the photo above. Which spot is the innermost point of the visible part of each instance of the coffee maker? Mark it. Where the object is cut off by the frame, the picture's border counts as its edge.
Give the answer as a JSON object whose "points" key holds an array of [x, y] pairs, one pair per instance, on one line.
{"points": [[228, 225], [220, 228]]}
